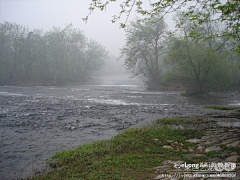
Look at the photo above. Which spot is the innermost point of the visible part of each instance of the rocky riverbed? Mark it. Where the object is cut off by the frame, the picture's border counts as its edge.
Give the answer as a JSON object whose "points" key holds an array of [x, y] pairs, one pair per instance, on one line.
{"points": [[35, 122], [216, 156]]}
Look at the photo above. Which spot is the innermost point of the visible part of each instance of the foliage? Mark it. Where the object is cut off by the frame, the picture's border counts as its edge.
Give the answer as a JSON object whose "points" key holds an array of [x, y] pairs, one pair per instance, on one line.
{"points": [[144, 48], [200, 71], [225, 13], [60, 55], [129, 155], [221, 107]]}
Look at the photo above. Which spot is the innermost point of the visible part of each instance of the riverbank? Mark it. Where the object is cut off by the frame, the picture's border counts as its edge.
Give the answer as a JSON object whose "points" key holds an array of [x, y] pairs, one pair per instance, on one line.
{"points": [[35, 122], [169, 147]]}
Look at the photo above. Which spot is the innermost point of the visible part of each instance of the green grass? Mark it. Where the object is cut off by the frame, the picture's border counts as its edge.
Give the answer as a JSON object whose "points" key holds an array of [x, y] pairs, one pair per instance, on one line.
{"points": [[221, 107], [131, 154]]}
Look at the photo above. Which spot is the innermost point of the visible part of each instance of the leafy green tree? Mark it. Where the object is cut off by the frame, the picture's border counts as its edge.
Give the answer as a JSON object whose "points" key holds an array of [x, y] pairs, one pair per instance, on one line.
{"points": [[144, 49], [60, 55], [95, 55], [198, 69], [200, 66], [224, 12], [11, 54]]}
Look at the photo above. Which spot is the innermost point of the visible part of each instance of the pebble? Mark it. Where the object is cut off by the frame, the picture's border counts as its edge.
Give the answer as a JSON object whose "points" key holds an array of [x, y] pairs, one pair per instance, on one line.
{"points": [[233, 158], [168, 147], [234, 144], [213, 148], [203, 146]]}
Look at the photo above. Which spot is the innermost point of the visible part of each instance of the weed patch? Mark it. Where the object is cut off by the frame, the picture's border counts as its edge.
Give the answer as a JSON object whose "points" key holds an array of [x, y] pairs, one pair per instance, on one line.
{"points": [[221, 107], [129, 155]]}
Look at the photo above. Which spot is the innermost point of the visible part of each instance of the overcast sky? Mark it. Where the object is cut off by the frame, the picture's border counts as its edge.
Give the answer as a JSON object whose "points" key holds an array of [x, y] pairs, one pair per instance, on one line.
{"points": [[38, 14]]}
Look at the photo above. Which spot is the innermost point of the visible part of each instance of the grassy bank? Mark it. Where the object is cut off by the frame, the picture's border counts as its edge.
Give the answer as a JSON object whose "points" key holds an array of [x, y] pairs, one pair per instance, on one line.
{"points": [[131, 154]]}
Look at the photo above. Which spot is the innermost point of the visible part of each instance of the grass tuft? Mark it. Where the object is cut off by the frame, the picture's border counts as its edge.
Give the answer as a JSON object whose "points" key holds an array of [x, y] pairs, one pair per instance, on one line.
{"points": [[131, 154], [221, 107]]}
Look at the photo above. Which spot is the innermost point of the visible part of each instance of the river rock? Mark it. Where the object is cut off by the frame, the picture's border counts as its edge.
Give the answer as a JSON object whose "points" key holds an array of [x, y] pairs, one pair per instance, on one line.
{"points": [[194, 140], [213, 148], [194, 155], [234, 144], [168, 147], [229, 141], [233, 158], [201, 148]]}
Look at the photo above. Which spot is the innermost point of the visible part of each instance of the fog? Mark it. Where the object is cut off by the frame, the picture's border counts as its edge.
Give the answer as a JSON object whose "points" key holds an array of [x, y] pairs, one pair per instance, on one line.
{"points": [[44, 14], [53, 96]]}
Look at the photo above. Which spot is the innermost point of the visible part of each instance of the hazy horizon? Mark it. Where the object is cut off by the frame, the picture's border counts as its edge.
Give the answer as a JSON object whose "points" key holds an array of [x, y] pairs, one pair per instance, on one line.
{"points": [[42, 14]]}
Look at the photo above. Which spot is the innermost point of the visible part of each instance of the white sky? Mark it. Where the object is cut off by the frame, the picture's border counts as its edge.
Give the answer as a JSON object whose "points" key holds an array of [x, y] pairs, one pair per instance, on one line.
{"points": [[44, 14]]}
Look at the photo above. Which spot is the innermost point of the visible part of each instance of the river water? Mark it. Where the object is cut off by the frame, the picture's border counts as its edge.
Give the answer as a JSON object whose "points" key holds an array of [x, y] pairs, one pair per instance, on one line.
{"points": [[37, 121]]}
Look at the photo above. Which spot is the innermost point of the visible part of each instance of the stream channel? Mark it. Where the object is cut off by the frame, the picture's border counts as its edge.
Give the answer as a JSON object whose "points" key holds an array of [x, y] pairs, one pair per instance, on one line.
{"points": [[37, 121]]}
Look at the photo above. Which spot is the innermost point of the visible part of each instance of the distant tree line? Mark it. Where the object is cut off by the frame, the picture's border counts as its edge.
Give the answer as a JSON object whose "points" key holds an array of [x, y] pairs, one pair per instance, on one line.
{"points": [[166, 58], [58, 56]]}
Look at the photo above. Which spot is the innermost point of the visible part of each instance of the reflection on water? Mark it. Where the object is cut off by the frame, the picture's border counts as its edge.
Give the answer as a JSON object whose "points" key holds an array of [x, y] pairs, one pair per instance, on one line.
{"points": [[120, 89]]}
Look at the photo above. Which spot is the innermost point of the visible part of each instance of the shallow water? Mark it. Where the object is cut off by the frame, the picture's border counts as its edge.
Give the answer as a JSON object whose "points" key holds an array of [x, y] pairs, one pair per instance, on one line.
{"points": [[37, 121]]}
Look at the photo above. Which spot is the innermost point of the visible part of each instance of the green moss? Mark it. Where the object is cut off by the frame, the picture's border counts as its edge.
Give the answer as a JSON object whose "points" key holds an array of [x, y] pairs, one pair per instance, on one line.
{"points": [[221, 107]]}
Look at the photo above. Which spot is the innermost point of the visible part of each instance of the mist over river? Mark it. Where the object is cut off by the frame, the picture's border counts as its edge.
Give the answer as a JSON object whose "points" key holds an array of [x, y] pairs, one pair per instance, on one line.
{"points": [[37, 121]]}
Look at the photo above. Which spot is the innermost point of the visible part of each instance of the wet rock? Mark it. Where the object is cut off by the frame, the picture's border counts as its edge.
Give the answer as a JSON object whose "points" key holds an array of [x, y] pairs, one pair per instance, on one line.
{"points": [[229, 141], [233, 158], [70, 128], [190, 149], [234, 144], [179, 162], [168, 162], [207, 137], [167, 147], [201, 147], [2, 115], [194, 155], [194, 140], [213, 148]]}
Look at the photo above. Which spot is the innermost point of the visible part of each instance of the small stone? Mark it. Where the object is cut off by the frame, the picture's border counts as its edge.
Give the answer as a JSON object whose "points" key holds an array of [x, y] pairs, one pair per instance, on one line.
{"points": [[206, 137], [232, 158], [160, 176], [191, 156], [201, 148], [213, 148], [179, 162], [168, 147], [234, 144], [208, 143], [194, 140], [167, 162], [191, 149], [228, 141]]}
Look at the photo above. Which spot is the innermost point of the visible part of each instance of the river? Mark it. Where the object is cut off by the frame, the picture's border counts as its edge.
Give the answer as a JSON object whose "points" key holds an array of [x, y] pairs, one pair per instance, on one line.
{"points": [[37, 121]]}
